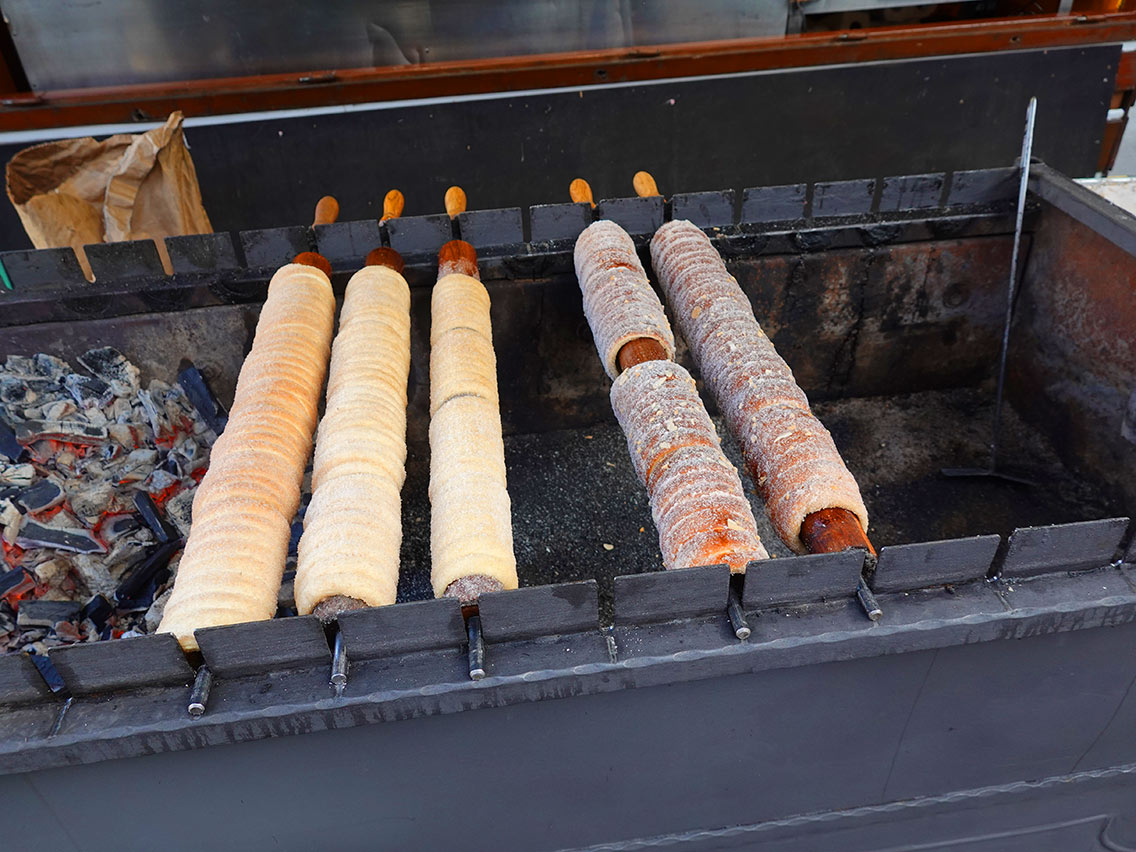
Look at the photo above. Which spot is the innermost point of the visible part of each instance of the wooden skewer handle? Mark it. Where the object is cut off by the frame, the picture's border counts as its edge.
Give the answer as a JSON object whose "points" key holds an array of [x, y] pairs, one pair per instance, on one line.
{"points": [[393, 205], [455, 201], [327, 211], [581, 192], [833, 530], [458, 256], [644, 184]]}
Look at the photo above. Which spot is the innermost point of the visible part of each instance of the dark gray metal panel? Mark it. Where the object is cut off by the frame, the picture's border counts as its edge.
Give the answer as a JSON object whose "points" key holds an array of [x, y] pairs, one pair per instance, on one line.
{"points": [[401, 628], [274, 247], [931, 563], [539, 611], [492, 229], [634, 215], [667, 595], [548, 222], [155, 660], [202, 252], [843, 198], [347, 243], [419, 236], [704, 209], [1062, 547], [911, 192], [798, 579], [774, 203], [984, 186], [1110, 221], [264, 646], [47, 268], [20, 681], [129, 259]]}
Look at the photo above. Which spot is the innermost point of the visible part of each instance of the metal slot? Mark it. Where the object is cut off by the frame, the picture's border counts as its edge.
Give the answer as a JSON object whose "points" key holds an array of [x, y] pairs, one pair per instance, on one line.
{"points": [[671, 595], [902, 567], [774, 203], [262, 646], [347, 243], [493, 232], [983, 186], [155, 660], [911, 192], [387, 631], [129, 259], [634, 215], [843, 198], [273, 247], [46, 269], [802, 579], [539, 611], [202, 253], [554, 222], [1062, 547], [705, 209], [419, 236], [199, 693]]}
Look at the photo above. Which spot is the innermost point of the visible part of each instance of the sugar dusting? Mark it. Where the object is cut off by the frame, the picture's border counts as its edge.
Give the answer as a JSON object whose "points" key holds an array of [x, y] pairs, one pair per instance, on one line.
{"points": [[789, 453]]}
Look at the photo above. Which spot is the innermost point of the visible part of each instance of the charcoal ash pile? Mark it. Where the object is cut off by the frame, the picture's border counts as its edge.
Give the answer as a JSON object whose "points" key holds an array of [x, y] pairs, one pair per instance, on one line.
{"points": [[97, 477]]}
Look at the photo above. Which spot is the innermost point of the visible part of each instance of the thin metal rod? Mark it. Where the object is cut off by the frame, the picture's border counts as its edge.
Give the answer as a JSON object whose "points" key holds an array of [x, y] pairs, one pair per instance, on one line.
{"points": [[476, 648], [339, 665], [868, 601], [199, 695], [737, 614], [1023, 188]]}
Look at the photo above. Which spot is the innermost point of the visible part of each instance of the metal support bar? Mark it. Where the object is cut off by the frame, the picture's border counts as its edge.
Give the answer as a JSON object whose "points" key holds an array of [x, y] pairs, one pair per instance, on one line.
{"points": [[476, 648], [199, 695]]}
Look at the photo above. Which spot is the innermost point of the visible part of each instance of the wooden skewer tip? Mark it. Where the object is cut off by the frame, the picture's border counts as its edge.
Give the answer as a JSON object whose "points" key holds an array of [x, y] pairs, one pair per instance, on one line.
{"points": [[388, 257], [311, 258], [458, 256]]}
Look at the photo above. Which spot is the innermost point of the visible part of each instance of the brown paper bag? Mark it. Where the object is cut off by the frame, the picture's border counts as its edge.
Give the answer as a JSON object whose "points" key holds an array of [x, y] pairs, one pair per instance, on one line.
{"points": [[127, 187]]}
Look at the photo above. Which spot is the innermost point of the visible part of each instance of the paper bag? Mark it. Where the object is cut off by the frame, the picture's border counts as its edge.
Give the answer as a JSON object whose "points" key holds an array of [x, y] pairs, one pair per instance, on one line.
{"points": [[127, 187]]}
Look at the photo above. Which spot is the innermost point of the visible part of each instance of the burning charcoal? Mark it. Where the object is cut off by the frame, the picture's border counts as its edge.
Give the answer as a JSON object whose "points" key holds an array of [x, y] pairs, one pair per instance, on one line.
{"points": [[153, 416], [52, 572], [60, 430], [121, 434], [47, 669], [149, 570], [179, 509], [97, 610], [112, 367], [41, 496], [95, 575], [153, 517], [90, 503], [15, 584], [67, 631], [116, 526], [138, 465], [49, 366], [212, 413], [46, 613], [17, 474], [78, 540], [59, 410], [10, 521], [95, 417], [161, 481], [9, 446], [88, 391]]}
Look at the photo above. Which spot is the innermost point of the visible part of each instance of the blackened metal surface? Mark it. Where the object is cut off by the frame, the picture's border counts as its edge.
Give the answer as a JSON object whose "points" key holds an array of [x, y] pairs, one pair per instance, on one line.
{"points": [[539, 611], [20, 681], [915, 566], [669, 595], [202, 252], [1070, 547], [983, 186], [550, 222], [637, 216], [893, 118], [155, 660], [416, 237], [704, 209], [49, 268], [346, 244], [130, 259], [1114, 223], [493, 231], [774, 203], [911, 192], [798, 579], [264, 646], [273, 247], [390, 630], [843, 198]]}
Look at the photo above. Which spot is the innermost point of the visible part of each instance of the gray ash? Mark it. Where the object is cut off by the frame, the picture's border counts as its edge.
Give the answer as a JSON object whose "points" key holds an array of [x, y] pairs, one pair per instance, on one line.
{"points": [[90, 441]]}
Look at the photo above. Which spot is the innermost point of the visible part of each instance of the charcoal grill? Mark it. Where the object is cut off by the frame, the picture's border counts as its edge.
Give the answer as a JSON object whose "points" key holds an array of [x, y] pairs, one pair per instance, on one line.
{"points": [[991, 705]]}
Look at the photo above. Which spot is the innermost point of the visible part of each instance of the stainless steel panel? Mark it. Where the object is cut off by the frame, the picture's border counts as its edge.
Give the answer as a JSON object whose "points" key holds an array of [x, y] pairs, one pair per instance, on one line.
{"points": [[114, 42]]}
